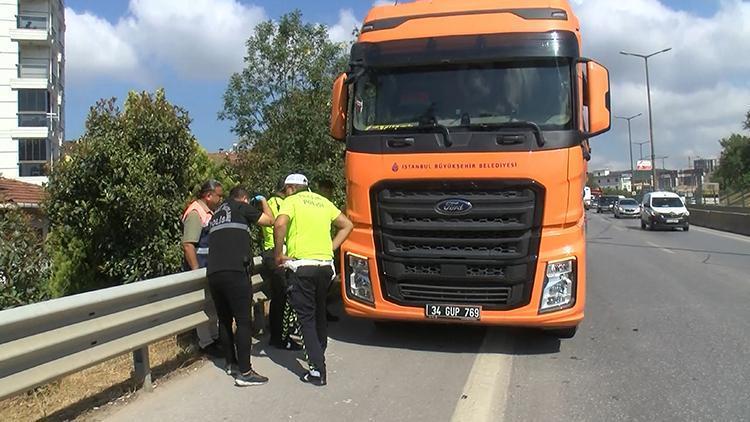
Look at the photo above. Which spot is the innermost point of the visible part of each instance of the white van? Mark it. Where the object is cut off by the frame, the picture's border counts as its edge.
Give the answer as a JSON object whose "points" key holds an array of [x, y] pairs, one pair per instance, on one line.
{"points": [[664, 209]]}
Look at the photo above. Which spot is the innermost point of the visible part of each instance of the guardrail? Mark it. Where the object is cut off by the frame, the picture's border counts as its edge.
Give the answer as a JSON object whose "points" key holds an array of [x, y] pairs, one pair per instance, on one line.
{"points": [[729, 219], [45, 341]]}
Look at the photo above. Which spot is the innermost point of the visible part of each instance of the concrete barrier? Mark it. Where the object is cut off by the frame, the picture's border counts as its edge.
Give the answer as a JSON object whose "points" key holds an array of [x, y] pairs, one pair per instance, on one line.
{"points": [[728, 219]]}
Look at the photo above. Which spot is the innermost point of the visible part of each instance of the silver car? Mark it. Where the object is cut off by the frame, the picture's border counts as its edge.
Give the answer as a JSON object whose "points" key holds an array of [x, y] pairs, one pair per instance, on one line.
{"points": [[627, 208]]}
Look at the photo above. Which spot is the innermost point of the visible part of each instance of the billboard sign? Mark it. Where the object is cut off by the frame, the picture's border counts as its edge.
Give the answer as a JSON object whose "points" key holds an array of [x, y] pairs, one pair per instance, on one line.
{"points": [[643, 165]]}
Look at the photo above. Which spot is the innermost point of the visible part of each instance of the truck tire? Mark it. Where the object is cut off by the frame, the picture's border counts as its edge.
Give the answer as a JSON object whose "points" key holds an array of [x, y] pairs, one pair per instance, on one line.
{"points": [[569, 332]]}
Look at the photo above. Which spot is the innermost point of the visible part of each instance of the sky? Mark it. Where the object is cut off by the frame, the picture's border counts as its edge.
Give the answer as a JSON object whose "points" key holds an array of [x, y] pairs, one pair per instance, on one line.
{"points": [[700, 90]]}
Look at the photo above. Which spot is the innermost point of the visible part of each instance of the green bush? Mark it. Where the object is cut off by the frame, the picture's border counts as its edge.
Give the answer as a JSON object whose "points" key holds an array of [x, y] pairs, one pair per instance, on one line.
{"points": [[115, 204], [24, 264]]}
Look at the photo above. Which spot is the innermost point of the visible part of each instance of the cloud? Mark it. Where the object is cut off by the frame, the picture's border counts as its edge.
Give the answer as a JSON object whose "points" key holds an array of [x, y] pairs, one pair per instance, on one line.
{"points": [[94, 47], [205, 41], [343, 30]]}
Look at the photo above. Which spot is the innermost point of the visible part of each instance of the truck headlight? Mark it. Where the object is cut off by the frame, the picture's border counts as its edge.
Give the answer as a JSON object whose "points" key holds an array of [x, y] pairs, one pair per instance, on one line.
{"points": [[559, 286], [358, 284]]}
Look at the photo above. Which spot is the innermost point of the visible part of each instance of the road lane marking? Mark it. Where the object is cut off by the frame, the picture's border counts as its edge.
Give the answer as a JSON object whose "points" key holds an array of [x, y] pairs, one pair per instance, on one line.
{"points": [[661, 247], [485, 393], [732, 236]]}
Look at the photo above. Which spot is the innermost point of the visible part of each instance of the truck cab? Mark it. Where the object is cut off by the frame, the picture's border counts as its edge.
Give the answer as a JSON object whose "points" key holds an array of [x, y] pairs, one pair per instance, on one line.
{"points": [[466, 126]]}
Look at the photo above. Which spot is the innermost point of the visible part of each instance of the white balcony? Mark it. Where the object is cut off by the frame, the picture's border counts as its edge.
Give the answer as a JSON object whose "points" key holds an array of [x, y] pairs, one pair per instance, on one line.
{"points": [[29, 83], [33, 73], [29, 132], [32, 26]]}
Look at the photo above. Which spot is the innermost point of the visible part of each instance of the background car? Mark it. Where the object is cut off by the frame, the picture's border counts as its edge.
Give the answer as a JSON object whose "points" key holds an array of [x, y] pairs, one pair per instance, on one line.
{"points": [[664, 209], [627, 208], [606, 203]]}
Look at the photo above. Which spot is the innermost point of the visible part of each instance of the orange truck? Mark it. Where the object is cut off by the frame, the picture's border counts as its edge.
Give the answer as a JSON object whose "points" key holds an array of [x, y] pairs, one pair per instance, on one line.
{"points": [[466, 125]]}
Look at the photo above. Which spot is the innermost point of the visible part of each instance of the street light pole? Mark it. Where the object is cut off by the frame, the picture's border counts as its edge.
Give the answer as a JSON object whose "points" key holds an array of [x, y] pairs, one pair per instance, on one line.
{"points": [[640, 148], [630, 139], [645, 58]]}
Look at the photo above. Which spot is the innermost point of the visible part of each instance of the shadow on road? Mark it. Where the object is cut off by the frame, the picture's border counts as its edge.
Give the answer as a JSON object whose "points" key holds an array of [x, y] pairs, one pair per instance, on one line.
{"points": [[445, 338]]}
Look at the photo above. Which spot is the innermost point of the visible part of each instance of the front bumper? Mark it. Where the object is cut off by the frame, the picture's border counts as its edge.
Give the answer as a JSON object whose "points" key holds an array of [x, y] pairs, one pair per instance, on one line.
{"points": [[629, 214], [556, 244], [659, 221]]}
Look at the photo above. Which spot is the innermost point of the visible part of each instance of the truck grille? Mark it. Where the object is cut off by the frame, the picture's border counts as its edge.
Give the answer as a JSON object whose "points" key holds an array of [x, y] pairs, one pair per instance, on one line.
{"points": [[487, 256]]}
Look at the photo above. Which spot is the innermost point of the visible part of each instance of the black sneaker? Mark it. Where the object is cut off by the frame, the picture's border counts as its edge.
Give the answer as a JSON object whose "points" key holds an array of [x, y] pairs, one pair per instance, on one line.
{"points": [[249, 378], [317, 380]]}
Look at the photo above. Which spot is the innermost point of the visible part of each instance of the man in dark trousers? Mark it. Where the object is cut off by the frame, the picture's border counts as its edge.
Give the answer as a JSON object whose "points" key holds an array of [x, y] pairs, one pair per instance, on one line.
{"points": [[304, 223], [229, 261]]}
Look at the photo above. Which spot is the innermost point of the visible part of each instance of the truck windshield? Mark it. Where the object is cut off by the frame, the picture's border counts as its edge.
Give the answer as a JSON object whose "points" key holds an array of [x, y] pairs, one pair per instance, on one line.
{"points": [[483, 94]]}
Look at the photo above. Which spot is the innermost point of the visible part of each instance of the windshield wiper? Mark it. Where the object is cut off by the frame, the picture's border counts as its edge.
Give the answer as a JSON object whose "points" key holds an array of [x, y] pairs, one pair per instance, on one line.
{"points": [[428, 121], [520, 124]]}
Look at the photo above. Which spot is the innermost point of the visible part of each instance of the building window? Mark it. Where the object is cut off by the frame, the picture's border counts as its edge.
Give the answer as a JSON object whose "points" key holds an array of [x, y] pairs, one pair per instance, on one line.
{"points": [[33, 68], [32, 157], [33, 106], [32, 20]]}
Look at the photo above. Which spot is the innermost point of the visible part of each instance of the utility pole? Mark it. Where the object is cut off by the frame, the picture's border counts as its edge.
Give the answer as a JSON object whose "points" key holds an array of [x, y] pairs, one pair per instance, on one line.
{"points": [[663, 165], [640, 148], [630, 139], [645, 58]]}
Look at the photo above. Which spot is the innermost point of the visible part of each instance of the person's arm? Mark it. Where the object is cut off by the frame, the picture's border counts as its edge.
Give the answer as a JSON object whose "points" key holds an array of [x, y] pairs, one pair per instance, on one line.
{"points": [[345, 227], [190, 255], [280, 228], [191, 234], [266, 218]]}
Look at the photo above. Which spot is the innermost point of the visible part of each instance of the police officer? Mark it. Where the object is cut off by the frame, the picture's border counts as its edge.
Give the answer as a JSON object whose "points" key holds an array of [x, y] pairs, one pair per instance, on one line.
{"points": [[195, 247], [304, 222], [229, 260]]}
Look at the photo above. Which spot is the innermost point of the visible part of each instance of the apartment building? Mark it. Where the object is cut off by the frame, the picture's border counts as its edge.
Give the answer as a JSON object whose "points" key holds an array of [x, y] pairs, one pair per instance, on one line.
{"points": [[32, 76]]}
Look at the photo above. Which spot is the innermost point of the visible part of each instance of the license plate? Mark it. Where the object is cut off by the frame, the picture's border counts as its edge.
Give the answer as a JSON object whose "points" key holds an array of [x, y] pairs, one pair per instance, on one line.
{"points": [[672, 220], [464, 312]]}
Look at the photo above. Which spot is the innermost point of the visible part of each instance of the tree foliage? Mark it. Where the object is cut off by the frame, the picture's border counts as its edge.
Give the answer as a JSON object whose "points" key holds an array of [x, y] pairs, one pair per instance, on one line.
{"points": [[733, 171], [279, 105], [115, 204], [24, 266]]}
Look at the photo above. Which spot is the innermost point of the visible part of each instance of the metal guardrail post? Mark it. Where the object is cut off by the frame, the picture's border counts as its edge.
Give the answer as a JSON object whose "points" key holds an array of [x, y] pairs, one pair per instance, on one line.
{"points": [[142, 369]]}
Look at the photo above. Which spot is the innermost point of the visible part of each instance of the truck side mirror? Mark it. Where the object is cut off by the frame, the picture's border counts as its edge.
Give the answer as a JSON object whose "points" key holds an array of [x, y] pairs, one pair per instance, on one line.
{"points": [[339, 100], [596, 98]]}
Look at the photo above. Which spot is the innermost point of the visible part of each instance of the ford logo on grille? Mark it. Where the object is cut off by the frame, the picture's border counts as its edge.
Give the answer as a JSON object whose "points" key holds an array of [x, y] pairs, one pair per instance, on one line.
{"points": [[453, 207]]}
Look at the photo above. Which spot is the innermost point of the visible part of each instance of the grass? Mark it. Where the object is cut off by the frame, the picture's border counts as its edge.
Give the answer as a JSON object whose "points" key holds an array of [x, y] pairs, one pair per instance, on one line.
{"points": [[75, 394]]}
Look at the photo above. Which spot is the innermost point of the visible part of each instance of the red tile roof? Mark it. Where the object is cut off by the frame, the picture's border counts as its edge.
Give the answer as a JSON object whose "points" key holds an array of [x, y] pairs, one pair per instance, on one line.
{"points": [[222, 157], [20, 192]]}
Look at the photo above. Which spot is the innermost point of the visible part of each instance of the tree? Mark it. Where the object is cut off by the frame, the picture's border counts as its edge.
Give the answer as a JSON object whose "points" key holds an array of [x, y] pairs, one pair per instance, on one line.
{"points": [[114, 205], [733, 171], [279, 105], [746, 123], [24, 266]]}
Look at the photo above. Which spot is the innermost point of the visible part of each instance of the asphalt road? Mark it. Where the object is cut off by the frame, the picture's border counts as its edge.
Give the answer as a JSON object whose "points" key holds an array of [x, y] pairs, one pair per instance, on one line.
{"points": [[665, 338]]}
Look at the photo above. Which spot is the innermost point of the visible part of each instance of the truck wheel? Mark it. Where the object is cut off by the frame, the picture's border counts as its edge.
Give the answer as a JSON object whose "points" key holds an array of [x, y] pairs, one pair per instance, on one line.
{"points": [[563, 332]]}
